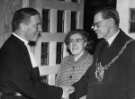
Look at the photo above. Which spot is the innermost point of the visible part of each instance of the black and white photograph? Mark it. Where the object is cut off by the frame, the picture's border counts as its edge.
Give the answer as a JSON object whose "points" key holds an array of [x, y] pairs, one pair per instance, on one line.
{"points": [[67, 49]]}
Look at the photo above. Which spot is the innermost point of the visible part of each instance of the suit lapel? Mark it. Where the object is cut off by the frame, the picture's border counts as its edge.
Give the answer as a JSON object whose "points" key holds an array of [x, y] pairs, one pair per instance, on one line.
{"points": [[24, 52]]}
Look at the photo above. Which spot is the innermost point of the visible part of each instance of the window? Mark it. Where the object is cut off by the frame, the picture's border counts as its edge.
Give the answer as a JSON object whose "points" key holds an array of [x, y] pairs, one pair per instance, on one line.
{"points": [[59, 52], [45, 18], [132, 20], [73, 20], [60, 21], [44, 53]]}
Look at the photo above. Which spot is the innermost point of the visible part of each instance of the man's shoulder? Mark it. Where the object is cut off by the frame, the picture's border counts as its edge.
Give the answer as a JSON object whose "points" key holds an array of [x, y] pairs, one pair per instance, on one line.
{"points": [[124, 34]]}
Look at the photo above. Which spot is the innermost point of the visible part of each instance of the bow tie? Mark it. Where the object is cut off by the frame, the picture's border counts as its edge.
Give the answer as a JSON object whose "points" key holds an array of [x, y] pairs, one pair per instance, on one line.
{"points": [[32, 43]]}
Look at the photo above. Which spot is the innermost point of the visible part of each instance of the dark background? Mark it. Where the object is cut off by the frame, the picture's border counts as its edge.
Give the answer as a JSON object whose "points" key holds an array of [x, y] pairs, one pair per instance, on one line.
{"points": [[89, 9]]}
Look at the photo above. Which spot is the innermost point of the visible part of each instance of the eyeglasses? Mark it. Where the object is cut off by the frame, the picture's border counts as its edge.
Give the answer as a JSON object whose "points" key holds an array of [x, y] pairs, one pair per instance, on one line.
{"points": [[97, 24], [79, 40]]}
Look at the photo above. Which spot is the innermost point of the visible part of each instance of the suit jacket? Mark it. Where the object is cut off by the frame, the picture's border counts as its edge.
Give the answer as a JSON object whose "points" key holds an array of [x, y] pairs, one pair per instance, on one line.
{"points": [[119, 78], [18, 75]]}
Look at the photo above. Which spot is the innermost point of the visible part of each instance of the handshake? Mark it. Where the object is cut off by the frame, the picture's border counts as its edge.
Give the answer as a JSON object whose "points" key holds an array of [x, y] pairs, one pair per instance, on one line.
{"points": [[67, 90]]}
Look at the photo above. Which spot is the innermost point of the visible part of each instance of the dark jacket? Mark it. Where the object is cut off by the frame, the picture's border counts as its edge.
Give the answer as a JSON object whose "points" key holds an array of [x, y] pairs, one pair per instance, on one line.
{"points": [[119, 78], [18, 75]]}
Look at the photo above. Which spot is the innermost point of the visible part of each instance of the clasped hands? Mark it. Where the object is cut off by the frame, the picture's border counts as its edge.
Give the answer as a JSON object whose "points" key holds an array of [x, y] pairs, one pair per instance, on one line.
{"points": [[67, 90]]}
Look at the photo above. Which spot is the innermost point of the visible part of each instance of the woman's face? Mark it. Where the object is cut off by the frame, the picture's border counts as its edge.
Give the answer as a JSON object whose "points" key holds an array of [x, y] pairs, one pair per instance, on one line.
{"points": [[77, 44]]}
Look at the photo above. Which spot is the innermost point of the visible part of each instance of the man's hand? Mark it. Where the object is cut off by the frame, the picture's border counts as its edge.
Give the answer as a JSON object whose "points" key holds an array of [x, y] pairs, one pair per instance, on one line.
{"points": [[83, 97], [67, 90]]}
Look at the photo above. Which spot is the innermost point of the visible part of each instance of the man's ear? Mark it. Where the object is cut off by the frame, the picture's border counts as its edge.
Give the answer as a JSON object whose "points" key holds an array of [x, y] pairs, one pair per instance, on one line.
{"points": [[111, 20], [23, 26]]}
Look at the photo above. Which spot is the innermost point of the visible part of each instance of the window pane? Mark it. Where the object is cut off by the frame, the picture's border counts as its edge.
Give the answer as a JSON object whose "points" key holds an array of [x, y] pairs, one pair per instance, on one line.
{"points": [[132, 20], [61, 0], [73, 20], [132, 27], [44, 53], [74, 1], [44, 79], [60, 21], [132, 14], [59, 52], [45, 20]]}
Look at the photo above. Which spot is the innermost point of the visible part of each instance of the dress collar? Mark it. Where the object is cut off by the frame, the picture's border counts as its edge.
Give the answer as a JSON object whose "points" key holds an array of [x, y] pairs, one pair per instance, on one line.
{"points": [[77, 57]]}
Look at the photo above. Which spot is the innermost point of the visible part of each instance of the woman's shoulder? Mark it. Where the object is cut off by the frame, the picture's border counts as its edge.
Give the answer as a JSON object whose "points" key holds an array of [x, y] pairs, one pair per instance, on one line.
{"points": [[67, 59], [87, 58]]}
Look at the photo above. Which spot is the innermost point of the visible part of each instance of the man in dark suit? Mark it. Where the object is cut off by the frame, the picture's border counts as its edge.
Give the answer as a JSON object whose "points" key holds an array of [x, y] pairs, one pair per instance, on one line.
{"points": [[112, 75], [19, 76]]}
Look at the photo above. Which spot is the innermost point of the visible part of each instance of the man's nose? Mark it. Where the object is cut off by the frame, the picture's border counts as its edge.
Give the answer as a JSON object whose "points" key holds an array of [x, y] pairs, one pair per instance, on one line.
{"points": [[94, 28], [39, 28], [74, 43]]}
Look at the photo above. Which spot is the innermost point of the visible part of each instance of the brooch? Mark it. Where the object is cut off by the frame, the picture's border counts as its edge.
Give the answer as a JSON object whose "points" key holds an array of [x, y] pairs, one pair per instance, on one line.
{"points": [[99, 73]]}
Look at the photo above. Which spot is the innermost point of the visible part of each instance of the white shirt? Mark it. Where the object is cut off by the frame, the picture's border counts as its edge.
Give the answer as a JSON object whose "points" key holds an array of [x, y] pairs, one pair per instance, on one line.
{"points": [[111, 39], [32, 58]]}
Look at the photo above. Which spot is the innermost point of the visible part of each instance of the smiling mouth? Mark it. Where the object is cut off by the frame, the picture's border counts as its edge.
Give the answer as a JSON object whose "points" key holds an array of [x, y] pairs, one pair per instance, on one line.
{"points": [[74, 48]]}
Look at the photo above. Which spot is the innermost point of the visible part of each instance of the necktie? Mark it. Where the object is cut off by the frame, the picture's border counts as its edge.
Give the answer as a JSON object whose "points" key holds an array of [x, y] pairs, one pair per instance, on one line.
{"points": [[105, 44], [103, 50]]}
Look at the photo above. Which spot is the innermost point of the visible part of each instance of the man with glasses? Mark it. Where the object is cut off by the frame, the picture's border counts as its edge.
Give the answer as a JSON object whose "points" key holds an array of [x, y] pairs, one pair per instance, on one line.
{"points": [[112, 75]]}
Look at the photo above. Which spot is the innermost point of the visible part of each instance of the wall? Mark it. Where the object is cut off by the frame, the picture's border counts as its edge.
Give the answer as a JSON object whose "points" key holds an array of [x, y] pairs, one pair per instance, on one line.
{"points": [[123, 9], [7, 8]]}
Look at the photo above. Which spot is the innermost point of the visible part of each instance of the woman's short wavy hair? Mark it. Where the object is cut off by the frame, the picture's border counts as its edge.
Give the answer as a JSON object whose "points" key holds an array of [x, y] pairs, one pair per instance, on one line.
{"points": [[84, 35]]}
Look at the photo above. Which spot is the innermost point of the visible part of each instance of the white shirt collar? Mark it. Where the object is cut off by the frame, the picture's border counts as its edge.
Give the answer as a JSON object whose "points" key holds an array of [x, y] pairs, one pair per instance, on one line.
{"points": [[22, 39], [32, 58], [77, 57], [111, 39]]}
